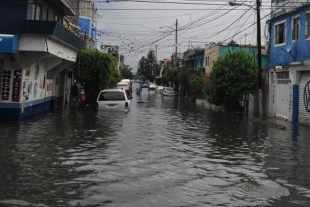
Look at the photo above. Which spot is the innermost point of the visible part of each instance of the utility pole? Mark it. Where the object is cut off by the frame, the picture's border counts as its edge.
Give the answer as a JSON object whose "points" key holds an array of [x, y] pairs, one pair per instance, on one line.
{"points": [[259, 60], [155, 64], [259, 96], [176, 42]]}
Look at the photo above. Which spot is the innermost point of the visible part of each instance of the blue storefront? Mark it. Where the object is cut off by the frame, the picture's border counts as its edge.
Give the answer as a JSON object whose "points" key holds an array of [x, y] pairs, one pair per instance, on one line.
{"points": [[10, 77]]}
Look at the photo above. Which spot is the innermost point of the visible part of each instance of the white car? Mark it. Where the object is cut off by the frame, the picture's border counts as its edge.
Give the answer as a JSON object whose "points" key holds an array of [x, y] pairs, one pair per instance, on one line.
{"points": [[113, 99], [168, 91], [152, 86], [159, 88]]}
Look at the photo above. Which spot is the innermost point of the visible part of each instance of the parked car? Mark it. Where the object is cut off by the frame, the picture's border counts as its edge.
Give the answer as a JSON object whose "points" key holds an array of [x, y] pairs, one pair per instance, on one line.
{"points": [[113, 99], [124, 86], [129, 82], [159, 88], [152, 86], [168, 91]]}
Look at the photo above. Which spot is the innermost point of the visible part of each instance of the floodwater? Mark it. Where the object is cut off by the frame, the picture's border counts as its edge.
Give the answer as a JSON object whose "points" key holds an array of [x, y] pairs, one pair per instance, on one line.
{"points": [[162, 153]]}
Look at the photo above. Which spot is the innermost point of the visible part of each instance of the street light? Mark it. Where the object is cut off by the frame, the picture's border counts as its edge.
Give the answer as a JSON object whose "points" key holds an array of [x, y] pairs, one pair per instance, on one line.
{"points": [[176, 39], [259, 52]]}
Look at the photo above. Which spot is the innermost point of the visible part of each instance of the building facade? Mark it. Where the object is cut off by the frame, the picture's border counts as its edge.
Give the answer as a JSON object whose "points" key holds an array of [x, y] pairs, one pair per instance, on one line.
{"points": [[213, 51], [37, 52], [289, 51], [87, 21], [198, 58]]}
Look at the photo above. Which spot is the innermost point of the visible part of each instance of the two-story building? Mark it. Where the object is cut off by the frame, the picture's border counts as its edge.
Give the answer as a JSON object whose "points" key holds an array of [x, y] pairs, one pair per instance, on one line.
{"points": [[213, 51], [36, 55], [289, 53], [193, 58], [198, 58]]}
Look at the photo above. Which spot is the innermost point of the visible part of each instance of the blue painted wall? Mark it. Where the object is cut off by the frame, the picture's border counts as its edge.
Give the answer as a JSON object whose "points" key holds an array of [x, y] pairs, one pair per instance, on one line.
{"points": [[87, 27], [299, 50], [295, 103], [12, 111], [198, 60]]}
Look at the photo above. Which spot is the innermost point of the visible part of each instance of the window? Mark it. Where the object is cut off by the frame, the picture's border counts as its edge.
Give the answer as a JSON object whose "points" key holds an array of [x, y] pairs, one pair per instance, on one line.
{"points": [[57, 18], [34, 11], [280, 33], [207, 61], [112, 96], [295, 28], [283, 77], [308, 25]]}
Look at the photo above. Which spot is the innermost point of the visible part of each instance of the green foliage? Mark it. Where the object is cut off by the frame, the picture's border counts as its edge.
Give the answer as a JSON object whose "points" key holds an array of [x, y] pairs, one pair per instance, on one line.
{"points": [[196, 87], [232, 76], [192, 82], [148, 67], [138, 77], [96, 71], [171, 74], [126, 73]]}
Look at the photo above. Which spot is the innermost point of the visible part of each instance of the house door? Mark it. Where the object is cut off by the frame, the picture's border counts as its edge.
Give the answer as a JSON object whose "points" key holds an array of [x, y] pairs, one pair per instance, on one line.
{"points": [[304, 98], [282, 94]]}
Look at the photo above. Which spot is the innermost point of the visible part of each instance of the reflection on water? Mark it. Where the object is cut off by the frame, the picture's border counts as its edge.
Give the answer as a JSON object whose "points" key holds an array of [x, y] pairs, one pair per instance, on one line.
{"points": [[164, 152]]}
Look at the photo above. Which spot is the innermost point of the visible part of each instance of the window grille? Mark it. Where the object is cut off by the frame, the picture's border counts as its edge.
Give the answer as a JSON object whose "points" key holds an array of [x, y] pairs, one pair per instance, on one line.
{"points": [[283, 77]]}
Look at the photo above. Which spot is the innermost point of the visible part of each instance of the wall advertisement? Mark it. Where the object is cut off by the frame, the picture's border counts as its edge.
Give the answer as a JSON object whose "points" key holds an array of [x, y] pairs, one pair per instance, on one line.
{"points": [[35, 85]]}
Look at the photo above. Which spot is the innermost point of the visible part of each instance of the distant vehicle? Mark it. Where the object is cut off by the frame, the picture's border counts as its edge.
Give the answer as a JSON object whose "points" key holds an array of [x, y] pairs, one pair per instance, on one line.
{"points": [[113, 99], [159, 88], [124, 86], [129, 82], [152, 86], [168, 91]]}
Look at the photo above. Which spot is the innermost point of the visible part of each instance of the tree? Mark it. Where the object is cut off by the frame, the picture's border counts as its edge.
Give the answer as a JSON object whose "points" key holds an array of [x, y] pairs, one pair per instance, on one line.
{"points": [[196, 87], [233, 76], [141, 66], [126, 73], [193, 81], [170, 75], [148, 67], [96, 71]]}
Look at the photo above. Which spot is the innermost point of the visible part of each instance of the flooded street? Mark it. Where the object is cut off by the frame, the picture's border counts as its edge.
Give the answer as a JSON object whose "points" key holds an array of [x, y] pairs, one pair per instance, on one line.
{"points": [[162, 153]]}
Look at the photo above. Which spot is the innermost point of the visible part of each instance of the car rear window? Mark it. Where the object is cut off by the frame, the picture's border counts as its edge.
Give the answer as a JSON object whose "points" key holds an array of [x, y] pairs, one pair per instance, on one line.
{"points": [[122, 85], [112, 96]]}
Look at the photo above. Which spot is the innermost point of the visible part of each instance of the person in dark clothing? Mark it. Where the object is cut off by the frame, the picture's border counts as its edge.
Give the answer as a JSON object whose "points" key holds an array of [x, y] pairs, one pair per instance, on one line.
{"points": [[74, 94]]}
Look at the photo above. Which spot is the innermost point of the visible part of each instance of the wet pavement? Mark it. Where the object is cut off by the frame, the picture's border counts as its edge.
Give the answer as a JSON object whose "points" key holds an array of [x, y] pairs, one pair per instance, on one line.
{"points": [[162, 153]]}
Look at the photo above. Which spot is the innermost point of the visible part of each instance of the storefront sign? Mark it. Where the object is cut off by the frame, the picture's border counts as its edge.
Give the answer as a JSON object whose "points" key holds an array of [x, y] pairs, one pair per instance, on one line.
{"points": [[9, 43]]}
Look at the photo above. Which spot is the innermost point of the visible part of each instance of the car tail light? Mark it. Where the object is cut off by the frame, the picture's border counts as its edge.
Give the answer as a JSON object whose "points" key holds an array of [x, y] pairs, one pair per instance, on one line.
{"points": [[126, 105]]}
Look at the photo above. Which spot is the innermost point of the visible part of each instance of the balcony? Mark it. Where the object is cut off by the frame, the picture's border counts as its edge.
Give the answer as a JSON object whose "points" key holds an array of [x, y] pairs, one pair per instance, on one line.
{"points": [[64, 7], [52, 29]]}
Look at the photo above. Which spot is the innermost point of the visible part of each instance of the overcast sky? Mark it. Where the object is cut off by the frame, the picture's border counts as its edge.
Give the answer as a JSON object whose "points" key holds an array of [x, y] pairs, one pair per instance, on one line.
{"points": [[134, 25]]}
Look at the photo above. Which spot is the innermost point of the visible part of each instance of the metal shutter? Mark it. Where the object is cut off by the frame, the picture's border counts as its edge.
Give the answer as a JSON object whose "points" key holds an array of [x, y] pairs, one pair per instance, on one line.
{"points": [[304, 98]]}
